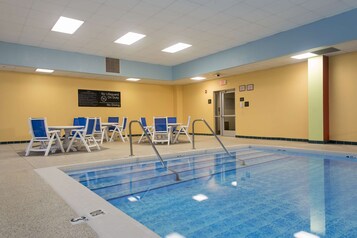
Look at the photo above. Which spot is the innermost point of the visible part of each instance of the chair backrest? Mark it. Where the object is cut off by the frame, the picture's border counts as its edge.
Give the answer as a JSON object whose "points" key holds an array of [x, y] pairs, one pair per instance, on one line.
{"points": [[75, 121], [188, 121], [160, 124], [90, 126], [82, 121], [113, 120], [171, 119], [143, 121], [98, 124], [123, 125], [38, 128]]}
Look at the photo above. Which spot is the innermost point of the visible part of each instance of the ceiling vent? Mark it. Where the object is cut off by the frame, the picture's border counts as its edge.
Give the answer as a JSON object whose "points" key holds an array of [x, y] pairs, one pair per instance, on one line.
{"points": [[326, 51]]}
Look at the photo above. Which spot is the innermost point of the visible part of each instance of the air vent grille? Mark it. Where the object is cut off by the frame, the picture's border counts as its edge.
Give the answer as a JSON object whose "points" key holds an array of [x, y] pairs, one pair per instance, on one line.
{"points": [[325, 51], [112, 65]]}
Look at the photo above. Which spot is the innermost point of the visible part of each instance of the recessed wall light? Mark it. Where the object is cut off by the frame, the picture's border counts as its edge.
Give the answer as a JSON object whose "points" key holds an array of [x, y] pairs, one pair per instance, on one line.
{"points": [[198, 78], [304, 56], [133, 79], [45, 70], [67, 25], [177, 47], [129, 38]]}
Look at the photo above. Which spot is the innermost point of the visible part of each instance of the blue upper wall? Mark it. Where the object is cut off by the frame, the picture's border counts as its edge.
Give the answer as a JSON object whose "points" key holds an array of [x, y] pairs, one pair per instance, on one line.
{"points": [[36, 57], [329, 31]]}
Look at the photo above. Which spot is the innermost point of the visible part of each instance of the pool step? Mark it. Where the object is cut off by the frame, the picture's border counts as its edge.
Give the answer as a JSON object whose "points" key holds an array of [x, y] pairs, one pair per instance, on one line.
{"points": [[147, 174], [139, 186], [124, 167], [142, 168]]}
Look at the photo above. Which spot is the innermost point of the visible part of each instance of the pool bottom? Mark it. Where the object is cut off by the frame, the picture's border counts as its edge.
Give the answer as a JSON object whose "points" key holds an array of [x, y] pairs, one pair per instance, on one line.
{"points": [[274, 199]]}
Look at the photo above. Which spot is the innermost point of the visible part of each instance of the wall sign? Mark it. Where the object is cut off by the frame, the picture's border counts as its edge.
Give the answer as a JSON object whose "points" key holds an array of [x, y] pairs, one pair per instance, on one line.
{"points": [[95, 98], [250, 87]]}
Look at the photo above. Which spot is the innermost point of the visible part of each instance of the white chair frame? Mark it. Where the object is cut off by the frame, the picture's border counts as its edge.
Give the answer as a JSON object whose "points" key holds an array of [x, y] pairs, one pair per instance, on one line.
{"points": [[52, 138], [120, 130], [85, 136], [149, 130], [102, 132], [161, 135], [184, 130]]}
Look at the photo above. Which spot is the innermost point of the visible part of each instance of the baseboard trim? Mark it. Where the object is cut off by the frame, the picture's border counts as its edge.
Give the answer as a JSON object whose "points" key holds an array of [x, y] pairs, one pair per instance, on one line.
{"points": [[342, 142], [318, 142], [271, 138], [237, 136], [14, 142]]}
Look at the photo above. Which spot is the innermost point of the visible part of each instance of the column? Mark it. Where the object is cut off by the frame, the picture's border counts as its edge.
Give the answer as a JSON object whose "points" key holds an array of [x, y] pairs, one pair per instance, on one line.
{"points": [[318, 99]]}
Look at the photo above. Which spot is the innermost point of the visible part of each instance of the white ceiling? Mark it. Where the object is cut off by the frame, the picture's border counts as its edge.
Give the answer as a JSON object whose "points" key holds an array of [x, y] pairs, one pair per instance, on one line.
{"points": [[209, 26]]}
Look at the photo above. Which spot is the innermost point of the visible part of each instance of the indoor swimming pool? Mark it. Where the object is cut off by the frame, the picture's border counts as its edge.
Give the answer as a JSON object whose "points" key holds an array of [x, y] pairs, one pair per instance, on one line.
{"points": [[277, 193]]}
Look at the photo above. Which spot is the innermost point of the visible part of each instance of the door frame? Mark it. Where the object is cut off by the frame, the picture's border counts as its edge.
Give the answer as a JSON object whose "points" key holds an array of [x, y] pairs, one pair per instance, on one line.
{"points": [[219, 113]]}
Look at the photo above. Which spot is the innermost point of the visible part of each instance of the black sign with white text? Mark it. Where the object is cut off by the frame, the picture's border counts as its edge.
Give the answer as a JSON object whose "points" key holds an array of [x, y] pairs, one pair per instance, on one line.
{"points": [[95, 98]]}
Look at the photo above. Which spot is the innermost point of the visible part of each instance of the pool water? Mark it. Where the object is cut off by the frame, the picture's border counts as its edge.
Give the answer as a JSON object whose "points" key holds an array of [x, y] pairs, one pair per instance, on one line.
{"points": [[276, 194]]}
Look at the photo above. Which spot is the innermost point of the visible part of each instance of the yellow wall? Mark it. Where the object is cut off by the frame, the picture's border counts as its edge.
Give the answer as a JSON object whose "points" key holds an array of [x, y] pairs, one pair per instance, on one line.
{"points": [[343, 97], [278, 104], [36, 95]]}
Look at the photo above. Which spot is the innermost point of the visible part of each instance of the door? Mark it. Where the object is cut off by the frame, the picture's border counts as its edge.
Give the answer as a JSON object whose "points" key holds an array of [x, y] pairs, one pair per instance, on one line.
{"points": [[225, 118]]}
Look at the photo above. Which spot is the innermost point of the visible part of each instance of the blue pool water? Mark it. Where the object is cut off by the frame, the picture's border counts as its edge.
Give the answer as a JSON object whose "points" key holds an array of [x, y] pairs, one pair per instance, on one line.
{"points": [[276, 194]]}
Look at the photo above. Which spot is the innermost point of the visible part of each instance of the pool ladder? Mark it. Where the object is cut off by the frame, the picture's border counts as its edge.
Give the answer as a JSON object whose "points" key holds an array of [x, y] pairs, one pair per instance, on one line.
{"points": [[153, 146], [242, 162]]}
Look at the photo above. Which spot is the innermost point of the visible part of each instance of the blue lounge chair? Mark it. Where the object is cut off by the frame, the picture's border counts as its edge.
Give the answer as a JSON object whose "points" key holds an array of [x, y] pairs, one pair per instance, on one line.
{"points": [[183, 130], [120, 130], [161, 132], [85, 136], [40, 133], [148, 129], [100, 131]]}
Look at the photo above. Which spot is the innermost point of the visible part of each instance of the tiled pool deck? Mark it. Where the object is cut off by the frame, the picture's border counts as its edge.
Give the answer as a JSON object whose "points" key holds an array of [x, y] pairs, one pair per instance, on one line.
{"points": [[31, 208]]}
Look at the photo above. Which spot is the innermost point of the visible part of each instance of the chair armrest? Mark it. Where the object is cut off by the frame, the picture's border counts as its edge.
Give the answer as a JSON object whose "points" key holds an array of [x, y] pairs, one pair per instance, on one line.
{"points": [[54, 131]]}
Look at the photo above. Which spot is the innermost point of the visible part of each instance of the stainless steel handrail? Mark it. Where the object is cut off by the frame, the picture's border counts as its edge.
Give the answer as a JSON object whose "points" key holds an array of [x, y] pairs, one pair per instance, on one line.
{"points": [[215, 135], [153, 146]]}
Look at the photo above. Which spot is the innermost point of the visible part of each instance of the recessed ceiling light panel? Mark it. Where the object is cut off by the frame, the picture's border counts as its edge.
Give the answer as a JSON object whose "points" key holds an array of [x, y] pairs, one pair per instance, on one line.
{"points": [[45, 70], [177, 47], [129, 38], [304, 56], [67, 25], [198, 78]]}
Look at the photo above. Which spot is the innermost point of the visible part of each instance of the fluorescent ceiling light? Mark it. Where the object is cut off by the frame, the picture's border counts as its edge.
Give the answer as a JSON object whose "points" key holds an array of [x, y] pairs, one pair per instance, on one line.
{"points": [[304, 234], [304, 56], [67, 25], [198, 78], [133, 79], [45, 70], [200, 197], [129, 38], [176, 47]]}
